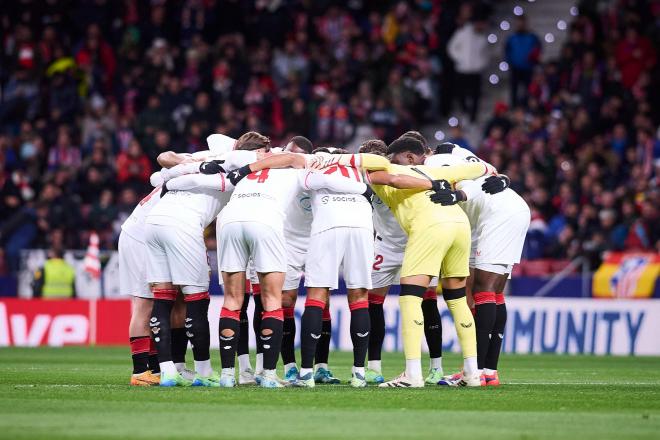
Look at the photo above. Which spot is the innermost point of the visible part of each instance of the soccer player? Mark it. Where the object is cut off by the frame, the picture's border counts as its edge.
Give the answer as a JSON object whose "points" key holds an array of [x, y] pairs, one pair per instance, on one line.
{"points": [[390, 243], [252, 227], [438, 243], [500, 219]]}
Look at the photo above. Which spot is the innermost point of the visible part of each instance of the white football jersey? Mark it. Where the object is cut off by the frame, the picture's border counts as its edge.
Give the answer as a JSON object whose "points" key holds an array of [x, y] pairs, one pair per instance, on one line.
{"points": [[386, 225], [298, 222], [134, 224], [332, 209]]}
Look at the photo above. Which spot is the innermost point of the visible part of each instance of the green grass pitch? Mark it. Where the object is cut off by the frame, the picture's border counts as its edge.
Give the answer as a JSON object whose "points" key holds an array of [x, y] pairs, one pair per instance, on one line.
{"points": [[83, 393]]}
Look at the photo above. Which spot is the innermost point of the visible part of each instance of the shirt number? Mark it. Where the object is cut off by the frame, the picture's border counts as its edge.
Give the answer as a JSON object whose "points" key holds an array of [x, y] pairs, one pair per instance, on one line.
{"points": [[344, 171], [378, 260], [259, 176]]}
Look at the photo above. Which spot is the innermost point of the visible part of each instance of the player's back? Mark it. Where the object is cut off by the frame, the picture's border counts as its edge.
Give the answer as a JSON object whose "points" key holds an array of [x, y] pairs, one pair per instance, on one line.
{"points": [[334, 209], [413, 208], [298, 221], [263, 197], [198, 206], [134, 224]]}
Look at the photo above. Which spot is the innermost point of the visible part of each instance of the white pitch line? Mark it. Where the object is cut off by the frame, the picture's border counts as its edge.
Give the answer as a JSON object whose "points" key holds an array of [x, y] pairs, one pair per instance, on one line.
{"points": [[582, 383]]}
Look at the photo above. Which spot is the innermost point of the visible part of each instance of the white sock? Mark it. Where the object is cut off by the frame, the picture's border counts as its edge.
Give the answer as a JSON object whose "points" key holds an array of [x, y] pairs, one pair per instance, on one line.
{"points": [[414, 368], [180, 366], [436, 363], [228, 372], [470, 366], [317, 366], [260, 363], [244, 362], [287, 367], [358, 370], [269, 372], [374, 365], [488, 371], [304, 371], [168, 368], [203, 368]]}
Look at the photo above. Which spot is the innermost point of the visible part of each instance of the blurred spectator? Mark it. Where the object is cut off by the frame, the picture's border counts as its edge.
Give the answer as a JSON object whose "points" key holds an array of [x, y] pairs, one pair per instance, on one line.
{"points": [[133, 165], [523, 51]]}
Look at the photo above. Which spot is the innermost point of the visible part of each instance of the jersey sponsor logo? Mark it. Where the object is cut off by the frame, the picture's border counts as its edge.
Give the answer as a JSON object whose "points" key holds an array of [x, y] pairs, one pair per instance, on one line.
{"points": [[305, 203], [327, 199]]}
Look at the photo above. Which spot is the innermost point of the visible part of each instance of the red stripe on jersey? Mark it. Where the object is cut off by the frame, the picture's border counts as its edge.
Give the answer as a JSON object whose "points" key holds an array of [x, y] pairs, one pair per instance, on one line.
{"points": [[484, 298], [358, 305], [222, 176], [196, 296], [430, 294], [376, 299], [230, 314], [275, 314], [165, 294], [140, 345], [353, 160], [314, 303]]}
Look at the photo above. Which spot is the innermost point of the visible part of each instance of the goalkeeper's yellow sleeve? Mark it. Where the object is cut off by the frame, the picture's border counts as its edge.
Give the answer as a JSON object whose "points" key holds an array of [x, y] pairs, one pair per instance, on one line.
{"points": [[454, 173]]}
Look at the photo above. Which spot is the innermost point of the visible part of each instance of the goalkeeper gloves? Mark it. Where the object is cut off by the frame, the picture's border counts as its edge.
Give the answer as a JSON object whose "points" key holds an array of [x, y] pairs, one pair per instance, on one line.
{"points": [[238, 174], [448, 197], [495, 184], [212, 167], [440, 185], [163, 190], [368, 193]]}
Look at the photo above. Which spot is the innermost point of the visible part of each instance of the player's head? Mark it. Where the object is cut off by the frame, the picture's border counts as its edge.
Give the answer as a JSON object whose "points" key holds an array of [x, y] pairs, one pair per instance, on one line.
{"points": [[253, 141], [299, 144], [330, 150], [406, 151], [374, 146], [415, 135]]}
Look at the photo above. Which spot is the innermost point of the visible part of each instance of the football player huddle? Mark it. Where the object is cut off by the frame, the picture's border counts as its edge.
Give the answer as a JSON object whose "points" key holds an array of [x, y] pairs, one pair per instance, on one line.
{"points": [[434, 222]]}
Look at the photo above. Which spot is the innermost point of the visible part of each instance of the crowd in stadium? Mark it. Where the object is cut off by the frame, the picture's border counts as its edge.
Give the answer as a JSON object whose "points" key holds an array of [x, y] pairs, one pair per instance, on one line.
{"points": [[89, 100]]}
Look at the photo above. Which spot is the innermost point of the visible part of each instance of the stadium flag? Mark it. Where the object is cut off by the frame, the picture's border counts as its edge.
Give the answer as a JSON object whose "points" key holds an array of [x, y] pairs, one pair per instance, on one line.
{"points": [[627, 275]]}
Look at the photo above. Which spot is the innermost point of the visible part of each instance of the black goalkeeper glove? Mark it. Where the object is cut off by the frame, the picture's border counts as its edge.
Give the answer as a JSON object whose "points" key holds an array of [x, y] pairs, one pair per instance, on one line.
{"points": [[163, 190], [440, 185], [444, 148], [212, 167], [496, 184], [448, 197], [238, 174], [368, 193]]}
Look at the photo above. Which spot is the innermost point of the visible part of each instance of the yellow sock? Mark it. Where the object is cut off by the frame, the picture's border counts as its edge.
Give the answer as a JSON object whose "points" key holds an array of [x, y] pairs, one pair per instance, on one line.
{"points": [[465, 328], [412, 325]]}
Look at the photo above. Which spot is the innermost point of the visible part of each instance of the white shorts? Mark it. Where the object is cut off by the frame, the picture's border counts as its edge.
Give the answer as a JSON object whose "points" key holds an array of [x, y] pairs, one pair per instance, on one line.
{"points": [[328, 250], [242, 241], [133, 267], [177, 255], [499, 239], [295, 267], [386, 269]]}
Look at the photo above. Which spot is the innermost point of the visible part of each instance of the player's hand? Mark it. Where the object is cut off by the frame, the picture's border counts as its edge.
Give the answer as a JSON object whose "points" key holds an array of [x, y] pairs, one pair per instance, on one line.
{"points": [[212, 167], [238, 174], [495, 184], [447, 197], [440, 185], [444, 148], [163, 190]]}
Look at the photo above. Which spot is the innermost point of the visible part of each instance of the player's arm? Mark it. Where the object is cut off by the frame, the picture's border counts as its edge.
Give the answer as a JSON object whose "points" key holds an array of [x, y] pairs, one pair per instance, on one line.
{"points": [[169, 159], [366, 161], [399, 181], [200, 181], [167, 174], [454, 173], [273, 161], [311, 180]]}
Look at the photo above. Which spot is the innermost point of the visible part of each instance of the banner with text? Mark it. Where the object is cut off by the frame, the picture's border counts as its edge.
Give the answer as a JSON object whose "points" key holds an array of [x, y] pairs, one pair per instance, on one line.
{"points": [[563, 326]]}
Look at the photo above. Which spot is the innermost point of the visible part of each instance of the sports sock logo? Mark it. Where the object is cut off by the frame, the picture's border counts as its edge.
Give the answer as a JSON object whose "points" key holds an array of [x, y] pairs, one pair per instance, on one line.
{"points": [[468, 325], [418, 322], [362, 335], [315, 336], [226, 338], [265, 338]]}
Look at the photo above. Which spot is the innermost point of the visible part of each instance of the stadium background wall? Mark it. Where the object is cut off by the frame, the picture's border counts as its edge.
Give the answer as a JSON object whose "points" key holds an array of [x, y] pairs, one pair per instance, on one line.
{"points": [[536, 325]]}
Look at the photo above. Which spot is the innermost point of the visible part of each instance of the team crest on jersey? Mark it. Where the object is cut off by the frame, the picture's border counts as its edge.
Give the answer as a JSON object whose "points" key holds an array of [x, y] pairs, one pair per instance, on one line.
{"points": [[305, 203]]}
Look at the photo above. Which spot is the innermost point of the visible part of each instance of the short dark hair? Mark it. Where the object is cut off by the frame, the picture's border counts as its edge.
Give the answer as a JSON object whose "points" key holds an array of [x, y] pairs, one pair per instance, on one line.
{"points": [[374, 146], [252, 141], [415, 135], [330, 150], [406, 144], [303, 142]]}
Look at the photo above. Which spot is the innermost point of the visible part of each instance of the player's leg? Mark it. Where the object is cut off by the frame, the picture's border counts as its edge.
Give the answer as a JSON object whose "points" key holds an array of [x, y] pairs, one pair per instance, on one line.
{"points": [[179, 337], [322, 373], [245, 371], [490, 374], [422, 259], [485, 309], [269, 256], [357, 275], [234, 254], [455, 269], [433, 332], [376, 298], [256, 326], [289, 297], [140, 341]]}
